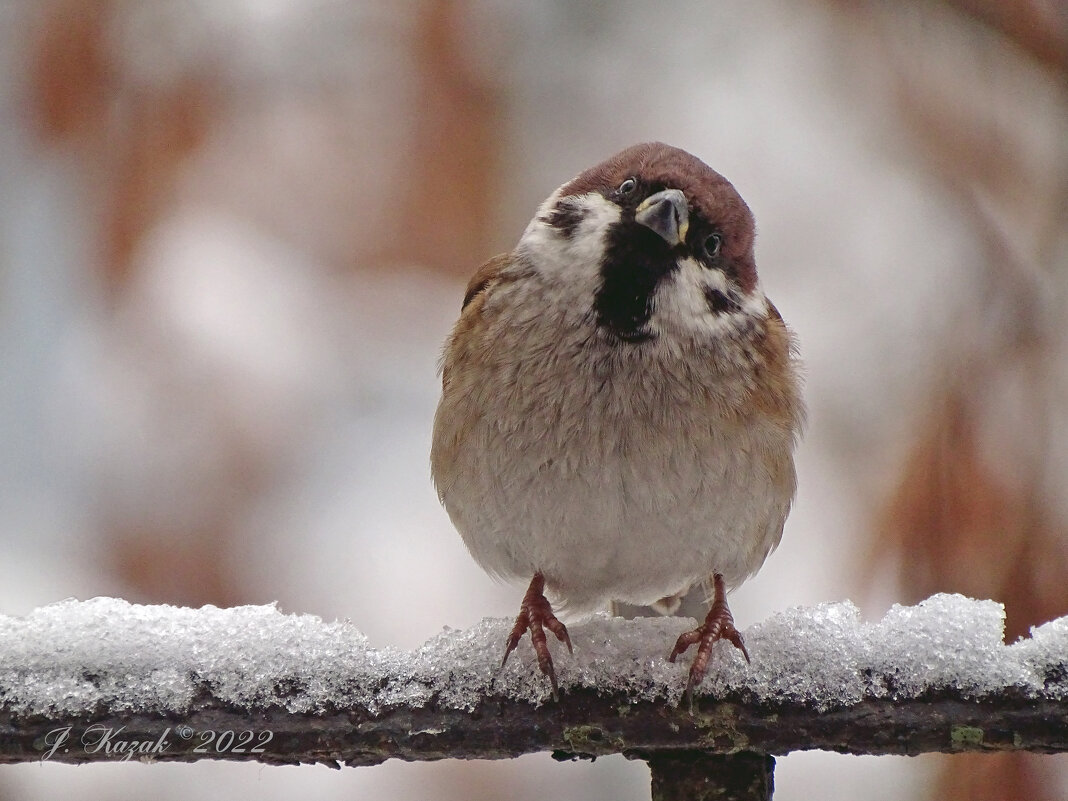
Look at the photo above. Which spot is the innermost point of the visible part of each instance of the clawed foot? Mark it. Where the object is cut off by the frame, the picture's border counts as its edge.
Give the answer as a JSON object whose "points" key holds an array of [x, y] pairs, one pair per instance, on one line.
{"points": [[718, 625], [536, 615]]}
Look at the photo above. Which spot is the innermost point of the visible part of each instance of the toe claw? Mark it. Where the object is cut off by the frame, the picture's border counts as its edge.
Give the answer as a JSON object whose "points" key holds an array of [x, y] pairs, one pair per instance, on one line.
{"points": [[536, 615], [521, 625], [736, 640], [682, 644], [560, 630], [718, 625]]}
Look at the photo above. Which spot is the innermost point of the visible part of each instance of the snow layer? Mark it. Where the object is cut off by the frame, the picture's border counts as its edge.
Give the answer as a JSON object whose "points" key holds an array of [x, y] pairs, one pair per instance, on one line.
{"points": [[76, 656]]}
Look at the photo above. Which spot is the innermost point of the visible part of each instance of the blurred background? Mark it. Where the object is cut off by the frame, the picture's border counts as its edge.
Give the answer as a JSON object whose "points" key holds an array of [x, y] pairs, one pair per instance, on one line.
{"points": [[234, 233]]}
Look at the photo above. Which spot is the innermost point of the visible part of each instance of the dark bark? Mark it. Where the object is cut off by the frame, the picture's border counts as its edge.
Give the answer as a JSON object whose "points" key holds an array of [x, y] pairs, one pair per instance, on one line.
{"points": [[582, 724], [699, 776]]}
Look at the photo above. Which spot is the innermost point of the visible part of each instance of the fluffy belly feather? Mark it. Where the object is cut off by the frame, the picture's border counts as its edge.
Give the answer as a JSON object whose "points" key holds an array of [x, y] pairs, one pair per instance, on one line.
{"points": [[612, 501]]}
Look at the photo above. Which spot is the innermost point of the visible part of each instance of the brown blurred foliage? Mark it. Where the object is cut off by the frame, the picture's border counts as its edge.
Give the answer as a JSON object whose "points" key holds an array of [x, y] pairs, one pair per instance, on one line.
{"points": [[967, 512], [996, 775], [70, 74], [457, 149], [956, 526], [1039, 28], [135, 141]]}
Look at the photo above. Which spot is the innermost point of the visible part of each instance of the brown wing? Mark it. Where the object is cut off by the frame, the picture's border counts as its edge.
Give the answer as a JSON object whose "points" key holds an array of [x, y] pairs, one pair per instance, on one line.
{"points": [[780, 395], [470, 313], [483, 276]]}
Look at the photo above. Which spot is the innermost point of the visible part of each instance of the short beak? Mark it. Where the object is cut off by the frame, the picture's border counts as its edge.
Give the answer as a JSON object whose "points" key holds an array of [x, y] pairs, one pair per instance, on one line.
{"points": [[666, 214]]}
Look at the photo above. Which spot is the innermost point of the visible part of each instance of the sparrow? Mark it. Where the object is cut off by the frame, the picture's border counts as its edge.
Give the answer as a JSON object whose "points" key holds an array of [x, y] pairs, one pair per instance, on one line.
{"points": [[620, 402]]}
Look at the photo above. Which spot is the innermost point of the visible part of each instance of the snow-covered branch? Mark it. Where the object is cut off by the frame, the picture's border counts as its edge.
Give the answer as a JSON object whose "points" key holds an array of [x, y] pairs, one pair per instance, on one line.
{"points": [[107, 680]]}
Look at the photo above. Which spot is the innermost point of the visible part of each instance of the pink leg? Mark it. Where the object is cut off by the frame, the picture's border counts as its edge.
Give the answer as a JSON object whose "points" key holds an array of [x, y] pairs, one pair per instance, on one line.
{"points": [[536, 615], [718, 625]]}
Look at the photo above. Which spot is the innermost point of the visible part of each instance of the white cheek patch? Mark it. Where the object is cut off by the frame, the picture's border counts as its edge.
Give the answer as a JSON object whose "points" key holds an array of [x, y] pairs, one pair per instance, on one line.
{"points": [[681, 304], [556, 255]]}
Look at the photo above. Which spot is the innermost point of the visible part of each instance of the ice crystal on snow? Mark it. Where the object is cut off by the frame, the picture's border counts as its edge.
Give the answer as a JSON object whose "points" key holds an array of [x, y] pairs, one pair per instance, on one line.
{"points": [[76, 656]]}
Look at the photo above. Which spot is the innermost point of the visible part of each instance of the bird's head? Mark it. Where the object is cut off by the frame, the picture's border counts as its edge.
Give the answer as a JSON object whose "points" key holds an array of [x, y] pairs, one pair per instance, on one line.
{"points": [[658, 242]]}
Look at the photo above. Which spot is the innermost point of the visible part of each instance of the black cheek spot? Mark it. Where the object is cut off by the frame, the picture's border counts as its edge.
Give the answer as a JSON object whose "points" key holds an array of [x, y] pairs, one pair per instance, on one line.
{"points": [[721, 302], [565, 217]]}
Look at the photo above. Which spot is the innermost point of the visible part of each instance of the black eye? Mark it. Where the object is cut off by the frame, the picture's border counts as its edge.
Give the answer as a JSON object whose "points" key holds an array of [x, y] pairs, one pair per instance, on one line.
{"points": [[712, 244], [627, 186]]}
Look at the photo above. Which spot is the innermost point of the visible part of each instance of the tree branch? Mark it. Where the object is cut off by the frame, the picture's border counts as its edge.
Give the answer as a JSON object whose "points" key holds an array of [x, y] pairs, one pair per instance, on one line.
{"points": [[583, 724], [107, 680]]}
